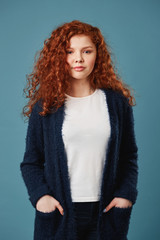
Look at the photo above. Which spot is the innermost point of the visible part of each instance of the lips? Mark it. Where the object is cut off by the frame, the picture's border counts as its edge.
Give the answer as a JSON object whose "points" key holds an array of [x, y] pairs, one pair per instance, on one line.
{"points": [[78, 68]]}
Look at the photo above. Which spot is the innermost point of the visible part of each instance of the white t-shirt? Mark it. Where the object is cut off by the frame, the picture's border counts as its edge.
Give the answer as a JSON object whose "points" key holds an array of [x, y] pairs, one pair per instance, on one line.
{"points": [[86, 131]]}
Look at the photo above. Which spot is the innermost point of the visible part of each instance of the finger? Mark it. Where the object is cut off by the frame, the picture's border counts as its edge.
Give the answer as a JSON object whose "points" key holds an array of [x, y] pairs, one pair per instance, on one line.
{"points": [[60, 208], [112, 204]]}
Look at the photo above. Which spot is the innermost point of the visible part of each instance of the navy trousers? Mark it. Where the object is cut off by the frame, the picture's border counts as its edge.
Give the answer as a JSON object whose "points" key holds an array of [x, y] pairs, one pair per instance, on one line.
{"points": [[86, 218]]}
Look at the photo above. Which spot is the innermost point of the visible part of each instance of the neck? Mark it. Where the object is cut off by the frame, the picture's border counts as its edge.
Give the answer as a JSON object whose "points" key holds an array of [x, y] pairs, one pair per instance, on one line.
{"points": [[80, 89]]}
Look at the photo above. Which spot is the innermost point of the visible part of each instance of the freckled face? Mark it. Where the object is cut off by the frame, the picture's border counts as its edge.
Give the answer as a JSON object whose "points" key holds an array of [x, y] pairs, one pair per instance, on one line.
{"points": [[81, 52]]}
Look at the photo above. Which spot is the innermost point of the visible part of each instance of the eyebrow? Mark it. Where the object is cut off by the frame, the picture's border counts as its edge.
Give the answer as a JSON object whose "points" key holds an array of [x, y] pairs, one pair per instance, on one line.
{"points": [[82, 48]]}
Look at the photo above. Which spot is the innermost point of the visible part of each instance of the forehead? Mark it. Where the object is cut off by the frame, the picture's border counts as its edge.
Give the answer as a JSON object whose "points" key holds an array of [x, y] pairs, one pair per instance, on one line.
{"points": [[80, 40]]}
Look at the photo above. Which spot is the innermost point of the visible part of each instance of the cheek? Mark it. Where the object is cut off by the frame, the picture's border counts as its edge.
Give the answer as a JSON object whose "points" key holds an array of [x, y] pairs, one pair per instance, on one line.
{"points": [[68, 60], [92, 62]]}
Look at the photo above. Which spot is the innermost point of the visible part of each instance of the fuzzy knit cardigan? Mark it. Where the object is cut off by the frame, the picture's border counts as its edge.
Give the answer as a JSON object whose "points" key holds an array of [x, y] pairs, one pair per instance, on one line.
{"points": [[44, 170]]}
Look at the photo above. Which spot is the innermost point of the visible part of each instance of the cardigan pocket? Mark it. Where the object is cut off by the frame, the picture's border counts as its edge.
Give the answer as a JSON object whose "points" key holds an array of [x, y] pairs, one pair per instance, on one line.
{"points": [[116, 223], [46, 224], [121, 220]]}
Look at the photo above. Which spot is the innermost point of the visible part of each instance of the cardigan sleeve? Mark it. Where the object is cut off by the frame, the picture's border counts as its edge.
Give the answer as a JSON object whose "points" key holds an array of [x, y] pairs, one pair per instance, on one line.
{"points": [[32, 166], [128, 168]]}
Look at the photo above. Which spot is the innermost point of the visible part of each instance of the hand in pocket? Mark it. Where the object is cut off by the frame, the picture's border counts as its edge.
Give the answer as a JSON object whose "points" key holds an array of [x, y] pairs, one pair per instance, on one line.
{"points": [[48, 204], [119, 203]]}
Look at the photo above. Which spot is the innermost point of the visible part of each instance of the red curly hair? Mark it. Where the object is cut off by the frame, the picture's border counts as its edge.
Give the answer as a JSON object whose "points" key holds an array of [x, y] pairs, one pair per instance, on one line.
{"points": [[49, 80]]}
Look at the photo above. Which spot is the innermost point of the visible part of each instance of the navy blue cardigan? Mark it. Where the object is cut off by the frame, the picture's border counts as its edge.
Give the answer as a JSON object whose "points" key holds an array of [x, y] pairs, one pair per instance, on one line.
{"points": [[44, 170]]}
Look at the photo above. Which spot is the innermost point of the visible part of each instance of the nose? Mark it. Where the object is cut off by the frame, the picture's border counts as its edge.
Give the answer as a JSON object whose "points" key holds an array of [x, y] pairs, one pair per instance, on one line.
{"points": [[78, 58]]}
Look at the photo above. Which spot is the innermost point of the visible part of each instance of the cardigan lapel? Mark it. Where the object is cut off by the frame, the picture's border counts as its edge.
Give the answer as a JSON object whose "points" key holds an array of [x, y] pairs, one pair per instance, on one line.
{"points": [[62, 157], [110, 166]]}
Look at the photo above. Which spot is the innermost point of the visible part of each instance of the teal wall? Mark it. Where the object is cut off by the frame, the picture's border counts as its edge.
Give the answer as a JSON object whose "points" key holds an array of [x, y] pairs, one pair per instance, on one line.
{"points": [[132, 30]]}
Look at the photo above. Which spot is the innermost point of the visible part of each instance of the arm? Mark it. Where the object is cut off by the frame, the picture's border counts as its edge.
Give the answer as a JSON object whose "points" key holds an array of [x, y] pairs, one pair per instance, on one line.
{"points": [[128, 168], [32, 167]]}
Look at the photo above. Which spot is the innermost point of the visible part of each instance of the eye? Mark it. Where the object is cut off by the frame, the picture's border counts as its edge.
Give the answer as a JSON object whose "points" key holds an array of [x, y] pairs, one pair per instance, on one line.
{"points": [[88, 51], [69, 52]]}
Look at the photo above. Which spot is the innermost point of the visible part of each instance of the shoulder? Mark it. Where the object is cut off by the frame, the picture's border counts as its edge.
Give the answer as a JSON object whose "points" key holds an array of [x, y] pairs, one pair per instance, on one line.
{"points": [[35, 116], [37, 108], [116, 97]]}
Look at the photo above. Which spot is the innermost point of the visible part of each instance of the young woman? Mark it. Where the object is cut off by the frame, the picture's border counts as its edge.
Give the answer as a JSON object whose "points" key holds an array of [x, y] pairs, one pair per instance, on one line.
{"points": [[80, 162]]}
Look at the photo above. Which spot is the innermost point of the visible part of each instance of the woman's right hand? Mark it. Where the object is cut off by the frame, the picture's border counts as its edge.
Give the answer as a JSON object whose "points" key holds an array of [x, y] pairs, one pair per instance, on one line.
{"points": [[48, 204]]}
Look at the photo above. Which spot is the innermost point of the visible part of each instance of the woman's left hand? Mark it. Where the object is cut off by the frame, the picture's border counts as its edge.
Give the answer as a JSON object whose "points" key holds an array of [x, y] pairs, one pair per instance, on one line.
{"points": [[118, 202]]}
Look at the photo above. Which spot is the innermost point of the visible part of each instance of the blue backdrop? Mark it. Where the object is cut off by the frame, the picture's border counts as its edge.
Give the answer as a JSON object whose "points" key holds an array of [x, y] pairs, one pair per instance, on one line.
{"points": [[132, 30]]}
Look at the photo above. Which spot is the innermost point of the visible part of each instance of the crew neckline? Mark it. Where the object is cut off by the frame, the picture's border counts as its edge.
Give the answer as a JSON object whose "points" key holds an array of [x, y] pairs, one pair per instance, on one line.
{"points": [[81, 97]]}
